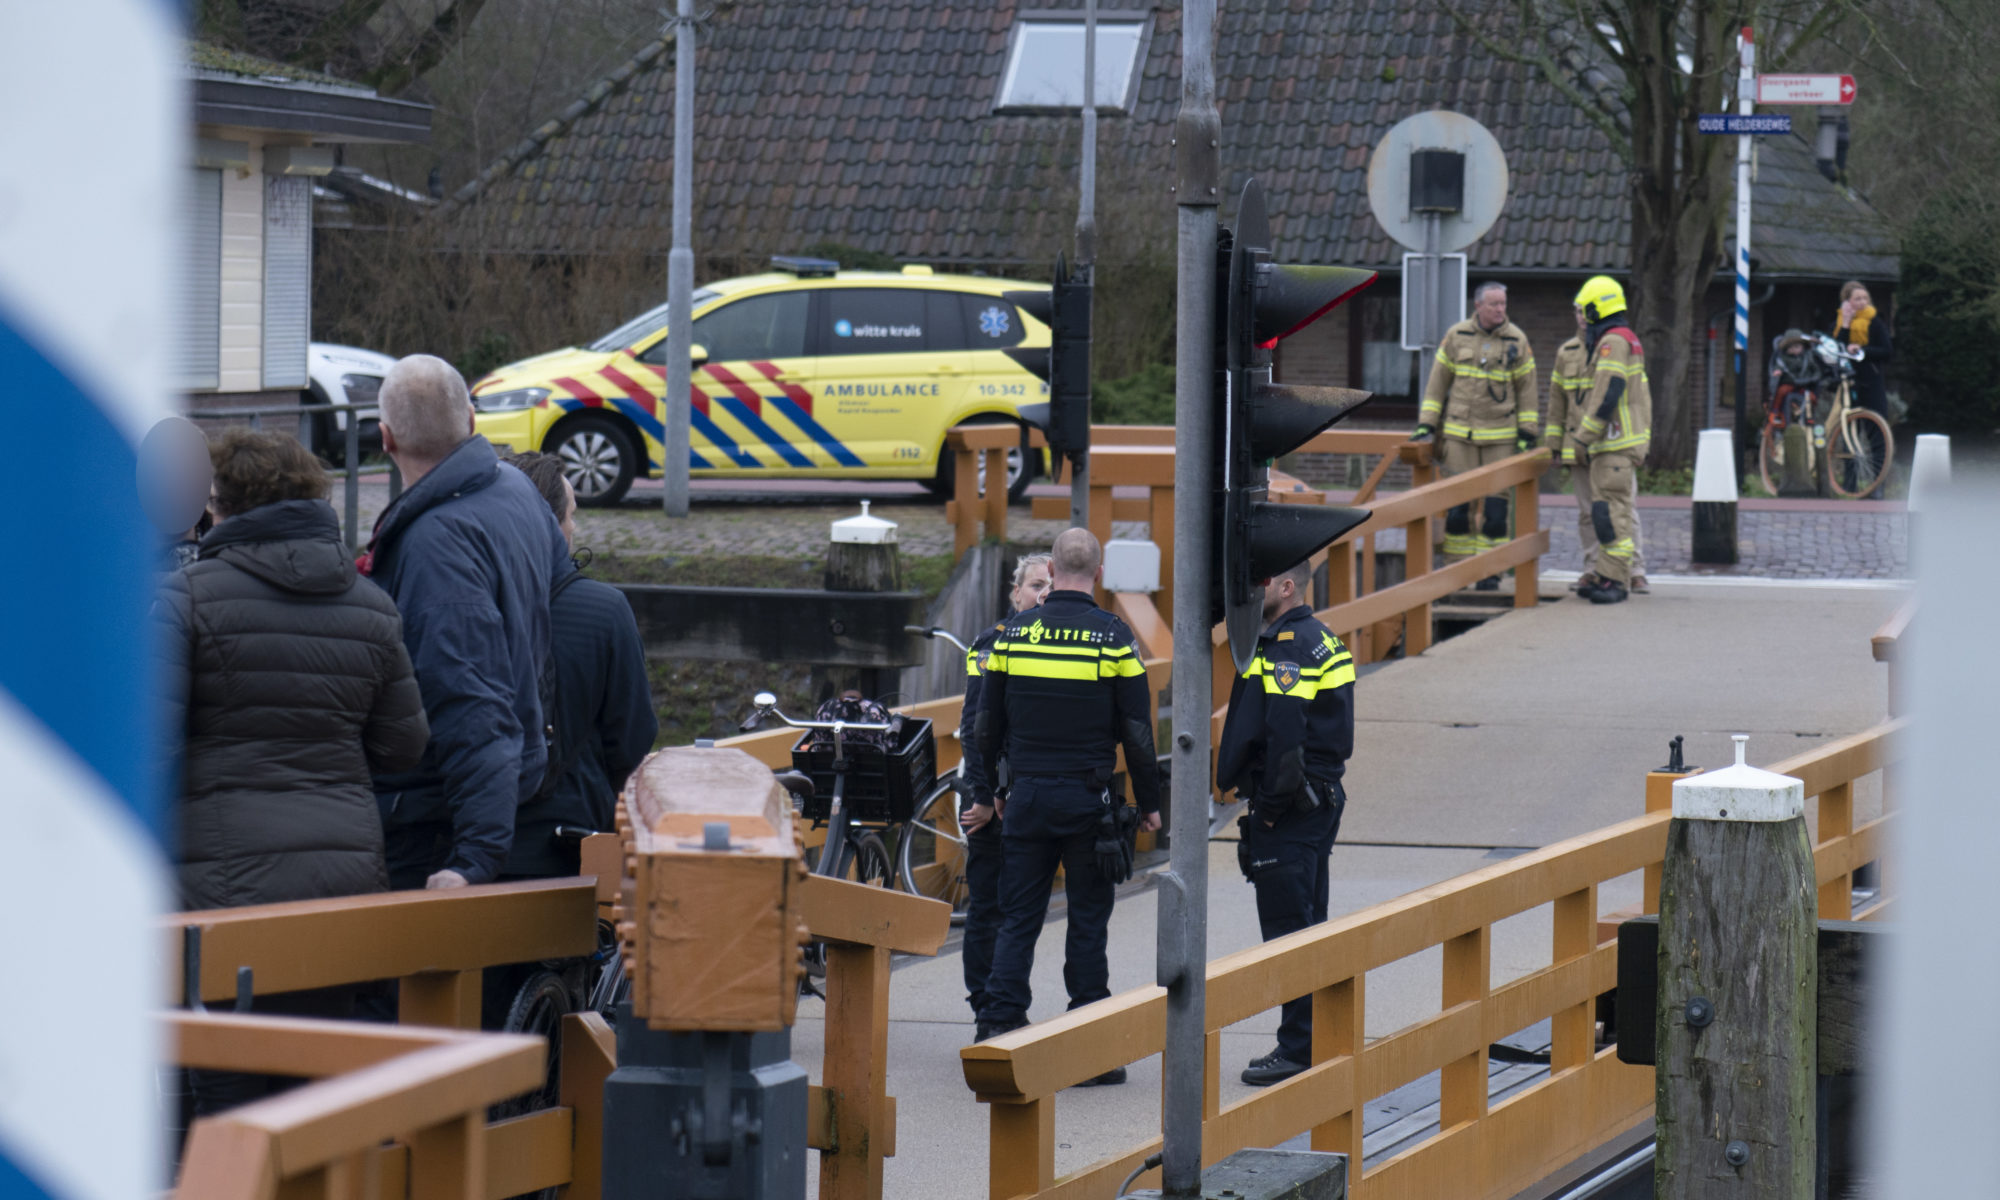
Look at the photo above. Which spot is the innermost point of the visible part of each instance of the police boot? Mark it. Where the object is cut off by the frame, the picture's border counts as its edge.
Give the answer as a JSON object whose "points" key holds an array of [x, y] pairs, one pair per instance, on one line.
{"points": [[1115, 1075], [1272, 1068]]}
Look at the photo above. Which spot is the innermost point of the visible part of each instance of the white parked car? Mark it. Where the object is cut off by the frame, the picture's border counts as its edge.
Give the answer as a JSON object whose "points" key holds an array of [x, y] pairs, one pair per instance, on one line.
{"points": [[345, 375]]}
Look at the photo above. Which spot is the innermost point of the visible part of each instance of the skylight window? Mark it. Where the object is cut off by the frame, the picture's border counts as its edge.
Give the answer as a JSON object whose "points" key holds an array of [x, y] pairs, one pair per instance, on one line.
{"points": [[1045, 61]]}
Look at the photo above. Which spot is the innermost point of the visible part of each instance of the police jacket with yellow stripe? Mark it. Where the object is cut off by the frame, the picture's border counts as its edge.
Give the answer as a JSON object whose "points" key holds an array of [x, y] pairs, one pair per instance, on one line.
{"points": [[1291, 714], [1619, 413], [975, 768], [1482, 384], [1569, 392], [1063, 688]]}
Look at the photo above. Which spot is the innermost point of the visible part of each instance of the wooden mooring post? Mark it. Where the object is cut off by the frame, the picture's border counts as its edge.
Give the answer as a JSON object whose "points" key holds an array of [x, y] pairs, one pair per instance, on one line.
{"points": [[1738, 984]]}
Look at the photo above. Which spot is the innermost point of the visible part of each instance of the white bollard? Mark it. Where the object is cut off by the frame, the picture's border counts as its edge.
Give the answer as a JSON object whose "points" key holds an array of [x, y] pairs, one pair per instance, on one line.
{"points": [[1930, 469], [1715, 499]]}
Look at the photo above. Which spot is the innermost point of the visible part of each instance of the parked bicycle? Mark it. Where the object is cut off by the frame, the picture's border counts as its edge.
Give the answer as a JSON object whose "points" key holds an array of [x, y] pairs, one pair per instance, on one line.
{"points": [[1812, 421], [890, 820]]}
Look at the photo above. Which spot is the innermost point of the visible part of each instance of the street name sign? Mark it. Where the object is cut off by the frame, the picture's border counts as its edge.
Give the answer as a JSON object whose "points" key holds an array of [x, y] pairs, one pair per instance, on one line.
{"points": [[1805, 89], [1744, 124]]}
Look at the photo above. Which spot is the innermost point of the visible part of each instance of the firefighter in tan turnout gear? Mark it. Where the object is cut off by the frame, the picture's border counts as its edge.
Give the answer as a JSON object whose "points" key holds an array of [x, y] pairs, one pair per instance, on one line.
{"points": [[1569, 391], [1482, 392], [1611, 434]]}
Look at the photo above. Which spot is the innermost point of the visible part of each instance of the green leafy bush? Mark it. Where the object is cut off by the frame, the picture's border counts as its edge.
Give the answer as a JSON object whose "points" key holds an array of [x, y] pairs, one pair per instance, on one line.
{"points": [[1144, 398], [1948, 314]]}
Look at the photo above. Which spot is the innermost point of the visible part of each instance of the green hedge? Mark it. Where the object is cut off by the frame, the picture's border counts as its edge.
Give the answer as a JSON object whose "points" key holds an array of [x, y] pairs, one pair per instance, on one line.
{"points": [[1948, 315]]}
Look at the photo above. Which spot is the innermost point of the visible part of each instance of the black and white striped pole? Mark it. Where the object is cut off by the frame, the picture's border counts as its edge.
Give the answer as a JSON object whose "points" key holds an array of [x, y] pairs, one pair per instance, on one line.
{"points": [[1714, 500]]}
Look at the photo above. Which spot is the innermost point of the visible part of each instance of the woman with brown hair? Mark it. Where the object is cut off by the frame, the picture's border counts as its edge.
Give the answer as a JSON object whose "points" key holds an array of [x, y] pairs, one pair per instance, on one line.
{"points": [[289, 683]]}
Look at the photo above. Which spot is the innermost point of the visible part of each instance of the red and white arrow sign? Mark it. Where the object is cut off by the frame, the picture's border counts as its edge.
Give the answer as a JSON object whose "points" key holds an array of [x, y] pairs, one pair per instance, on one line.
{"points": [[1805, 89]]}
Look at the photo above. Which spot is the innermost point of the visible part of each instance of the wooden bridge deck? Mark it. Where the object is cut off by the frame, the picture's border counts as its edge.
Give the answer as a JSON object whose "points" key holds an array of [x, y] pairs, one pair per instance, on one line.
{"points": [[1530, 729]]}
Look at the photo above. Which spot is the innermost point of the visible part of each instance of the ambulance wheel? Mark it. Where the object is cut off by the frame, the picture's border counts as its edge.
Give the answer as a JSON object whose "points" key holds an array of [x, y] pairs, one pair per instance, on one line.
{"points": [[944, 484], [598, 458]]}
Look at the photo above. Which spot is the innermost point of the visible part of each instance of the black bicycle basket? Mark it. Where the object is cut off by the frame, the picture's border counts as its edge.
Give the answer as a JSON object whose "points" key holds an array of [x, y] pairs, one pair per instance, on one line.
{"points": [[887, 773]]}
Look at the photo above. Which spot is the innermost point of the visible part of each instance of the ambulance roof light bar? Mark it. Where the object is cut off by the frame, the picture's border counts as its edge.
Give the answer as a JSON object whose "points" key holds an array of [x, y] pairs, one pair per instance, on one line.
{"points": [[804, 268]]}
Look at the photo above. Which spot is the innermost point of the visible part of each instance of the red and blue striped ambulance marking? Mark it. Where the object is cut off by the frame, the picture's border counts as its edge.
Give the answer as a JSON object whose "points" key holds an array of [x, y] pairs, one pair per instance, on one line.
{"points": [[796, 404], [746, 405]]}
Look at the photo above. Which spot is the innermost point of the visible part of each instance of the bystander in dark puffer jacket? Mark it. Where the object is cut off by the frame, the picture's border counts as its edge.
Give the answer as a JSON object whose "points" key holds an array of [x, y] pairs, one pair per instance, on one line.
{"points": [[297, 689]]}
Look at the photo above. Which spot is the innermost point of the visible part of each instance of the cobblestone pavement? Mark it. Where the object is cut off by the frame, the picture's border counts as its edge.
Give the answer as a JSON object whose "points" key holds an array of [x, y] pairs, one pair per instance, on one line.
{"points": [[1771, 544], [780, 524], [1815, 544]]}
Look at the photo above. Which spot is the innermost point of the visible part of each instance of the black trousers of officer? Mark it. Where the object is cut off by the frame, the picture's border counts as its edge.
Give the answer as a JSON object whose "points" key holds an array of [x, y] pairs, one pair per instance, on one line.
{"points": [[1049, 823], [985, 850], [1286, 863]]}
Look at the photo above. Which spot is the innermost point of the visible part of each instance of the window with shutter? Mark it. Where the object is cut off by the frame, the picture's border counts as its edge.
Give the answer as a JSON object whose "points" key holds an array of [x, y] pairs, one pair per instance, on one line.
{"points": [[287, 279], [196, 356]]}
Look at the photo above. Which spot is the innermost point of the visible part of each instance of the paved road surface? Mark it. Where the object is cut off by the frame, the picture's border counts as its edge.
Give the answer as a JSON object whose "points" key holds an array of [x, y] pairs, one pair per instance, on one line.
{"points": [[1779, 539], [1529, 729]]}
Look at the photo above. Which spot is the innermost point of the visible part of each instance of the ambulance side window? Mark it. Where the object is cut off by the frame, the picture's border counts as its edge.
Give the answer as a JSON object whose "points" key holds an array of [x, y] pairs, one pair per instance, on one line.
{"points": [[755, 327], [944, 324], [990, 322], [872, 321]]}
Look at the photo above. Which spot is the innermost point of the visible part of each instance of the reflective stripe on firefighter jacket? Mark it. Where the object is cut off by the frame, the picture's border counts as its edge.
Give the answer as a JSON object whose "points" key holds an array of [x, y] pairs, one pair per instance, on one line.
{"points": [[1482, 384], [1618, 415], [1569, 389], [1291, 714]]}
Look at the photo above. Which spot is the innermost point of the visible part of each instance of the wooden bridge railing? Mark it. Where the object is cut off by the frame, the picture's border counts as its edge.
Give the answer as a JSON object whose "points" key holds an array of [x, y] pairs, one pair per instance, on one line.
{"points": [[398, 1112], [437, 945], [1890, 647], [1369, 619], [1482, 1151]]}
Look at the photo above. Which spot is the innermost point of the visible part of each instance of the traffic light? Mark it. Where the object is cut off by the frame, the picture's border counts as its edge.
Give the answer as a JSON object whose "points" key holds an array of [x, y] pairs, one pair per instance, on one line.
{"points": [[1065, 309], [1257, 420]]}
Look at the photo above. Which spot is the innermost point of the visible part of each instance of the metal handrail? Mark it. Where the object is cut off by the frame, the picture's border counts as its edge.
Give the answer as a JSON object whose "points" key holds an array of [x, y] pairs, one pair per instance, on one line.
{"points": [[351, 471]]}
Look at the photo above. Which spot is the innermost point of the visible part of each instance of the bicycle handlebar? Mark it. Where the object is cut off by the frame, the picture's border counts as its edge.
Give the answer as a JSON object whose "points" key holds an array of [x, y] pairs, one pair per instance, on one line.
{"points": [[766, 705], [937, 631]]}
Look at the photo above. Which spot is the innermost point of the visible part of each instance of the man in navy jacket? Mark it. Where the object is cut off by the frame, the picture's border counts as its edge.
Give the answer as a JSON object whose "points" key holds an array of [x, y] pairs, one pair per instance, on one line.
{"points": [[468, 552], [604, 718]]}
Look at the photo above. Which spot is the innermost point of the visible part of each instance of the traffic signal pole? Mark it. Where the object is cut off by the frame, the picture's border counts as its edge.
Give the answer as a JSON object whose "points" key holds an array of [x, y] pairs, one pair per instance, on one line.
{"points": [[674, 439], [1086, 237], [1183, 920]]}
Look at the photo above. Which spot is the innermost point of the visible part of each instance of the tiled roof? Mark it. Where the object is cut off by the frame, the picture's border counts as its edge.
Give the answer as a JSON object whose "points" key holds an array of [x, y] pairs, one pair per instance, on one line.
{"points": [[873, 125], [207, 58]]}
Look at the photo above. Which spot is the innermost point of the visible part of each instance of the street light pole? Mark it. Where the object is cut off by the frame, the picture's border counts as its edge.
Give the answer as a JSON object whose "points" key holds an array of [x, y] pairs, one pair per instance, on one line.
{"points": [[1086, 239], [674, 443], [1183, 921]]}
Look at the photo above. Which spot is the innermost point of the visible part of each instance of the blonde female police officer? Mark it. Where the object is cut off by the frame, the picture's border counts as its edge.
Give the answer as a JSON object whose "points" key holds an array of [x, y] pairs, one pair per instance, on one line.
{"points": [[983, 784]]}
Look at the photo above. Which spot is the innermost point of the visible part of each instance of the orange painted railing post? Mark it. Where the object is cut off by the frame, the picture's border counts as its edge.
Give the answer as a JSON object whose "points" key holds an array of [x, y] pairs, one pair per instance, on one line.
{"points": [[1527, 519]]}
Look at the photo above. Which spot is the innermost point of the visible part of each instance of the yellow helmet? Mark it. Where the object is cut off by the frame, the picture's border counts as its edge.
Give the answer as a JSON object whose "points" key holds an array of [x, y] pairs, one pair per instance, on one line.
{"points": [[1599, 297]]}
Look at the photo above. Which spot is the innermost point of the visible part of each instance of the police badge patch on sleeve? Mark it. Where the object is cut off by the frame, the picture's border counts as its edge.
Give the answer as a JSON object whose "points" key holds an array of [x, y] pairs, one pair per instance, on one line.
{"points": [[1287, 675]]}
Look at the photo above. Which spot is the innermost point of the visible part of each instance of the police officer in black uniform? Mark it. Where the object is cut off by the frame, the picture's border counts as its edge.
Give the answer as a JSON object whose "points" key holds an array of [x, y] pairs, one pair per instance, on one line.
{"points": [[1064, 689], [1285, 743], [981, 783]]}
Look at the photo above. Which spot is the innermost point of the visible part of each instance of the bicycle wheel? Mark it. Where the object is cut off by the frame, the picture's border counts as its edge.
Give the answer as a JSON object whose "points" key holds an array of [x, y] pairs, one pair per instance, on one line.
{"points": [[871, 862], [1858, 454], [539, 1006], [1771, 459], [930, 854]]}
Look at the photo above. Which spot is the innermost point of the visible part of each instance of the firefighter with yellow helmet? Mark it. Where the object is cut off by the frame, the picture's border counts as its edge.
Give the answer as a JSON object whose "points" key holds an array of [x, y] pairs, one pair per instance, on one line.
{"points": [[1481, 396], [1570, 383], [1610, 432]]}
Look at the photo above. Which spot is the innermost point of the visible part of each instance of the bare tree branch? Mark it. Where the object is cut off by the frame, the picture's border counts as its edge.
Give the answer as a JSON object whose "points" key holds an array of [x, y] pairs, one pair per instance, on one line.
{"points": [[1810, 33], [445, 32], [335, 33], [1540, 59]]}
